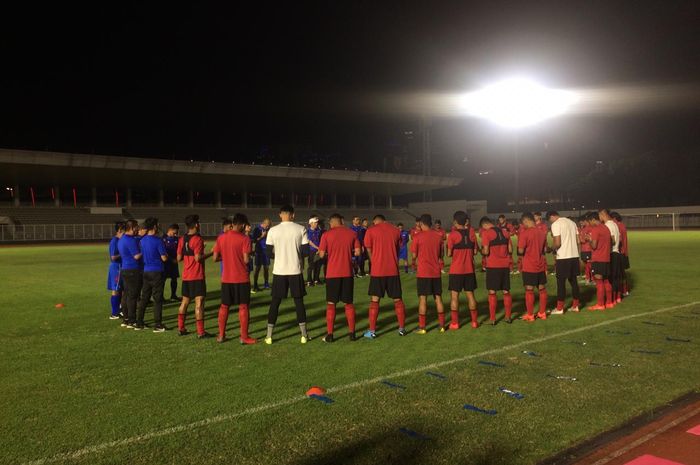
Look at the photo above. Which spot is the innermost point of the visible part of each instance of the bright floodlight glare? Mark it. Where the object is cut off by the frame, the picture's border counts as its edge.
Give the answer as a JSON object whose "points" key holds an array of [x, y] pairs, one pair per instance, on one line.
{"points": [[518, 102]]}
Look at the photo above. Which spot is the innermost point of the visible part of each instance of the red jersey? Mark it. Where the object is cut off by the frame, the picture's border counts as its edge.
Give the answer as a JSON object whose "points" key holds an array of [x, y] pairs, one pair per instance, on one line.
{"points": [[462, 243], [443, 234], [582, 235], [232, 245], [623, 238], [601, 234], [533, 241], [339, 244], [498, 256], [188, 246], [427, 246], [507, 227], [384, 240], [413, 231]]}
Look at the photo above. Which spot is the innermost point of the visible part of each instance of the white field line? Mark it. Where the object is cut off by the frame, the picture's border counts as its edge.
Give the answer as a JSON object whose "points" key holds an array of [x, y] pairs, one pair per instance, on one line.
{"points": [[292, 400], [647, 437]]}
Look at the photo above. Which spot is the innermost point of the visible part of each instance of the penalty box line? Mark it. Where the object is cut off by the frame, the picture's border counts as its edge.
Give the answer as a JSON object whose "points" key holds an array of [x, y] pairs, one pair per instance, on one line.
{"points": [[78, 453]]}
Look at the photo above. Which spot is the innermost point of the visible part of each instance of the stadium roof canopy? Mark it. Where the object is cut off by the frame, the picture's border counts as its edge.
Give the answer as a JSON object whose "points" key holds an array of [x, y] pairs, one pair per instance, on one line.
{"points": [[23, 167]]}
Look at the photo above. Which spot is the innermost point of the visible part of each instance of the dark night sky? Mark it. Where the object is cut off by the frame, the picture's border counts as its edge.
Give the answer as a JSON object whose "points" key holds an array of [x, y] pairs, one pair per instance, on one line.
{"points": [[222, 83]]}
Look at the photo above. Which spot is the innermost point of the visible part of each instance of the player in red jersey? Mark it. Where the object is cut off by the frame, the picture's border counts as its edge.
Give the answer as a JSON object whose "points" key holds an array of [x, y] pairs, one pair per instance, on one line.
{"points": [[624, 251], [532, 247], [508, 229], [437, 225], [497, 247], [190, 250], [233, 249], [339, 245], [382, 242], [586, 250], [543, 228], [426, 250], [461, 246], [601, 244]]}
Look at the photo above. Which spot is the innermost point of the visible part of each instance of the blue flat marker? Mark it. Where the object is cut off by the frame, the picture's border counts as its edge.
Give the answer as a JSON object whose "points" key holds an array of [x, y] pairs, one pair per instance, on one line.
{"points": [[324, 399], [673, 339], [414, 434], [513, 394], [613, 365], [480, 410], [436, 375], [653, 323], [393, 385], [610, 331], [531, 354], [491, 364], [643, 351]]}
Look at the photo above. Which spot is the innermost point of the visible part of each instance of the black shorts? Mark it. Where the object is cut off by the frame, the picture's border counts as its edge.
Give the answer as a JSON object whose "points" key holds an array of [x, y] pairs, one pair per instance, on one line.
{"points": [[586, 256], [429, 286], [626, 262], [192, 289], [292, 284], [340, 289], [498, 279], [567, 268], [462, 282], [235, 293], [534, 279], [601, 268], [389, 285]]}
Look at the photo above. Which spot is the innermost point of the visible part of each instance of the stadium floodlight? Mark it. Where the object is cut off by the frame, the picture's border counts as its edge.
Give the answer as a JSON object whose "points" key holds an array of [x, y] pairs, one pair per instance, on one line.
{"points": [[517, 102]]}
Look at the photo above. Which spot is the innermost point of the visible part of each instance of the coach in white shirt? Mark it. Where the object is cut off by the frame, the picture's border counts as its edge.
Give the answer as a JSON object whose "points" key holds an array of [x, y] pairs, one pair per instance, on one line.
{"points": [[566, 247], [286, 241]]}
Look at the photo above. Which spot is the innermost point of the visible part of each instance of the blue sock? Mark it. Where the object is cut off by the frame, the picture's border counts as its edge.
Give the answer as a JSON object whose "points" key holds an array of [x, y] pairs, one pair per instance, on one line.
{"points": [[115, 300]]}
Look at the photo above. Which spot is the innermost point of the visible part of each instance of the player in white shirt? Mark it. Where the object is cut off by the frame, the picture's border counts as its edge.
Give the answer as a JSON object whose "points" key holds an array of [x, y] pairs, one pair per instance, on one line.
{"points": [[286, 241], [565, 245]]}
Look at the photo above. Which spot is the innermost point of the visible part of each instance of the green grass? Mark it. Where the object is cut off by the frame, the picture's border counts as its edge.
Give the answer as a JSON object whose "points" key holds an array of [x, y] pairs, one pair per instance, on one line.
{"points": [[72, 379]]}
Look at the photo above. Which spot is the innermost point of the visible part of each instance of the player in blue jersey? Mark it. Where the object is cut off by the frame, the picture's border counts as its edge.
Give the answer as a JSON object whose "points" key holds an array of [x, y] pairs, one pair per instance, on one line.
{"points": [[261, 258], [154, 255], [113, 279], [403, 251], [171, 270], [131, 274]]}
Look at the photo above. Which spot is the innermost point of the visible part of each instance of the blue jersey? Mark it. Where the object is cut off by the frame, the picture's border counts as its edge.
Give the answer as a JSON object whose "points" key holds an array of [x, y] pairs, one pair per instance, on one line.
{"points": [[113, 283], [404, 239], [260, 241], [114, 250], [152, 248], [360, 231], [171, 246], [314, 236], [128, 247]]}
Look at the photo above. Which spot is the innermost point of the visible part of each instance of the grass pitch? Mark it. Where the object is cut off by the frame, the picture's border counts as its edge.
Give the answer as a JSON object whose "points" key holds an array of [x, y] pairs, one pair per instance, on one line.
{"points": [[77, 388]]}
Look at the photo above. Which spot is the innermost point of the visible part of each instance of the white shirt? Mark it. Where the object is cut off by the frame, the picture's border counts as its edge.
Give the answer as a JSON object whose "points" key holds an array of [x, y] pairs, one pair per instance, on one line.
{"points": [[615, 233], [287, 239], [568, 232]]}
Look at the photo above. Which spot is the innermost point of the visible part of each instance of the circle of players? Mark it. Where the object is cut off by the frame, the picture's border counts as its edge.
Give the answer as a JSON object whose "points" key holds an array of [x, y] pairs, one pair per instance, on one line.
{"points": [[142, 260]]}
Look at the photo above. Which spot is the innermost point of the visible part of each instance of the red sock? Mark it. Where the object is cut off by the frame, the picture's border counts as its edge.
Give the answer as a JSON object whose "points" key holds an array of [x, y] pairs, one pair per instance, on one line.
{"points": [[608, 292], [575, 303], [560, 305], [508, 304], [223, 319], [421, 321], [454, 317], [588, 271], [543, 300], [493, 303], [600, 291], [243, 317], [441, 319], [200, 327], [530, 301], [473, 314], [400, 310], [330, 318], [350, 316], [181, 321], [373, 314]]}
